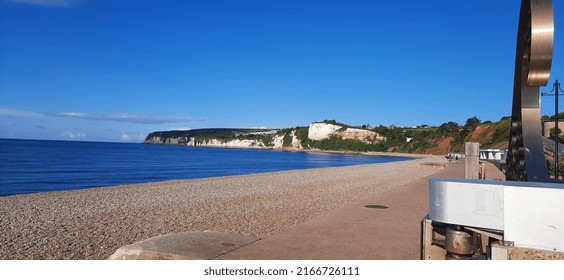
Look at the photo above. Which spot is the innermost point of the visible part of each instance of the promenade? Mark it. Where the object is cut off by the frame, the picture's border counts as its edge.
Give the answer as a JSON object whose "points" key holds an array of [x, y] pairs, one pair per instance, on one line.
{"points": [[385, 226]]}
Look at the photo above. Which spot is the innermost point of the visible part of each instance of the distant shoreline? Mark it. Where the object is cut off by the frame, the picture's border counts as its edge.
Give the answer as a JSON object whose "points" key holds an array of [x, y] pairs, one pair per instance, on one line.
{"points": [[391, 154], [380, 154], [344, 152]]}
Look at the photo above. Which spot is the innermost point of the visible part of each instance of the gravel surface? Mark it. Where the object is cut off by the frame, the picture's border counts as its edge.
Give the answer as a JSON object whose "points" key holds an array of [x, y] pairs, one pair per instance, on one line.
{"points": [[94, 223]]}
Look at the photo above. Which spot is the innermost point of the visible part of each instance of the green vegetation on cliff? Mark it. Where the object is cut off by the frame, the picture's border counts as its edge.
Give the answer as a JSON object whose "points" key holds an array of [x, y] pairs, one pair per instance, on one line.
{"points": [[182, 137], [335, 143], [448, 137]]}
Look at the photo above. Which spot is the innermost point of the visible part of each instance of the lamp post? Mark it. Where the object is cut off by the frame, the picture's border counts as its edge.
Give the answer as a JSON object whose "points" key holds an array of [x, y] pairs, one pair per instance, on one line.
{"points": [[556, 89]]}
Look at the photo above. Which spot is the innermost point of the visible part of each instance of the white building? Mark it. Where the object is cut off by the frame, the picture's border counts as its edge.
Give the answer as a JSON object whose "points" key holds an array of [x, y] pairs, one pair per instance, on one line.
{"points": [[492, 154]]}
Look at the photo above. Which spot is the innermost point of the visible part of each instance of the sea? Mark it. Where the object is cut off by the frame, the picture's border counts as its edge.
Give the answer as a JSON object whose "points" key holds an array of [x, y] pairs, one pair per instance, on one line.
{"points": [[35, 166]]}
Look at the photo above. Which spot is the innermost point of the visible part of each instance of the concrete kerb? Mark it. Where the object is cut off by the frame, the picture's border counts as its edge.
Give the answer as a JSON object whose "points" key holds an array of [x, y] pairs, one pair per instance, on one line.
{"points": [[183, 246]]}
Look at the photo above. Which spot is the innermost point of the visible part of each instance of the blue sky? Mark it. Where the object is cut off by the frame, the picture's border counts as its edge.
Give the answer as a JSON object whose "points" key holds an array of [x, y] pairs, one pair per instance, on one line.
{"points": [[117, 70]]}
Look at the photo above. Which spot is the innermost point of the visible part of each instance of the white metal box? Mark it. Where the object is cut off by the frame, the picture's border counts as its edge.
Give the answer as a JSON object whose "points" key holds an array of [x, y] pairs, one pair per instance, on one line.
{"points": [[529, 214]]}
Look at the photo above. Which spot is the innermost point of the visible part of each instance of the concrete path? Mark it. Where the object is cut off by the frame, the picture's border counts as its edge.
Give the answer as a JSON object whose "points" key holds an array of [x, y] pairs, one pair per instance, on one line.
{"points": [[183, 246], [385, 227]]}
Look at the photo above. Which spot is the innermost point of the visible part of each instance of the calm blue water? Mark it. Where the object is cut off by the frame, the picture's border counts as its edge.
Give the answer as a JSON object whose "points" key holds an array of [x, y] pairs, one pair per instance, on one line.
{"points": [[30, 166]]}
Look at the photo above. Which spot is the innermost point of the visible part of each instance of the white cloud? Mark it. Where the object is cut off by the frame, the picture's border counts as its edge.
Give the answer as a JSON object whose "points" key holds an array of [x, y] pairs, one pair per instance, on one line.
{"points": [[73, 135], [125, 137], [50, 3], [72, 115], [130, 118], [132, 136], [181, 128], [14, 113], [118, 117]]}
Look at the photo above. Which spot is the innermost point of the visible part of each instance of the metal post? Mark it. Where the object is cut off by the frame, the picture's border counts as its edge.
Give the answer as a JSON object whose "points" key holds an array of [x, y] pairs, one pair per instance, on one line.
{"points": [[556, 130], [472, 168], [556, 89]]}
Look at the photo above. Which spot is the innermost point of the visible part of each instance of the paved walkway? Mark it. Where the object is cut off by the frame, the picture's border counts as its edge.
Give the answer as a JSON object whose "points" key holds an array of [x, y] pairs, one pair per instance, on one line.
{"points": [[383, 227]]}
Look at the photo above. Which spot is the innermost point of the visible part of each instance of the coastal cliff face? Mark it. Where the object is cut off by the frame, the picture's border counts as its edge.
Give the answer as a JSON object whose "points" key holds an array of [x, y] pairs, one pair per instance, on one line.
{"points": [[236, 143], [323, 131], [367, 136], [213, 137], [330, 135], [263, 139], [166, 140]]}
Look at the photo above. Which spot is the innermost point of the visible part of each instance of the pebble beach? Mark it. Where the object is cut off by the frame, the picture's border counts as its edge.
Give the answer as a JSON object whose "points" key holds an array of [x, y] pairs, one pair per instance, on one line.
{"points": [[92, 224]]}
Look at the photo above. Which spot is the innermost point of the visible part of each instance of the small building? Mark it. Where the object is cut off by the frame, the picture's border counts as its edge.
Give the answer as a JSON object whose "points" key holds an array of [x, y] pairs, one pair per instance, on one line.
{"points": [[492, 154], [547, 126]]}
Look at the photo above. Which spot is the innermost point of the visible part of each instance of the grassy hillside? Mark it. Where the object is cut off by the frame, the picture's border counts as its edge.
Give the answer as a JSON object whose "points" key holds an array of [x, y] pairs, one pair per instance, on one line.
{"points": [[449, 137]]}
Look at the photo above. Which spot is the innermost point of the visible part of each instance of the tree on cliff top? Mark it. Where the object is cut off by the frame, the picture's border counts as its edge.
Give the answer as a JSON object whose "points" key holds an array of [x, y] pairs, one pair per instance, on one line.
{"points": [[449, 127], [471, 124]]}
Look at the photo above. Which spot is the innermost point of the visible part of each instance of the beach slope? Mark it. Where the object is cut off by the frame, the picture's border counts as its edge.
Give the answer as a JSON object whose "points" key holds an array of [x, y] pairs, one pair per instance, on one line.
{"points": [[94, 223]]}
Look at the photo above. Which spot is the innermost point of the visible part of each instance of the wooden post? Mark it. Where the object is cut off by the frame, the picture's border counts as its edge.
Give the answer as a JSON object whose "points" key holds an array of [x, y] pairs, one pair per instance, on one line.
{"points": [[472, 168]]}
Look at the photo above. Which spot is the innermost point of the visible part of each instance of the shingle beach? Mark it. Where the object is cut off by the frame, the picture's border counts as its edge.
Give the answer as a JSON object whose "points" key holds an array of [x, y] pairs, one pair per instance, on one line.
{"points": [[94, 223]]}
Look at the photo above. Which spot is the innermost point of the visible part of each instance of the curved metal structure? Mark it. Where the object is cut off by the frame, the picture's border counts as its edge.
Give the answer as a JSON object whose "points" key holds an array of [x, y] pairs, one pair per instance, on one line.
{"points": [[525, 159]]}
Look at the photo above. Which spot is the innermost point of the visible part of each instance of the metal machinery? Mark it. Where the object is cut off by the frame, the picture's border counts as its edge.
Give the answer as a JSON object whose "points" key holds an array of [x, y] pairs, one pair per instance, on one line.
{"points": [[480, 219], [525, 159]]}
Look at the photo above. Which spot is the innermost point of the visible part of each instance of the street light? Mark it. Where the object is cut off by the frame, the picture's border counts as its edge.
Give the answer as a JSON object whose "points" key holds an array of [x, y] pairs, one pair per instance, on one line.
{"points": [[556, 88]]}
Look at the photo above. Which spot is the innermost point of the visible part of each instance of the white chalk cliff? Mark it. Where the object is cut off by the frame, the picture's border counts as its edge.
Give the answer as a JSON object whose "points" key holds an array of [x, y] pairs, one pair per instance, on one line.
{"points": [[316, 132], [322, 131], [235, 143]]}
